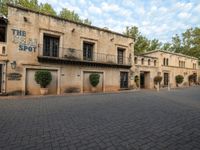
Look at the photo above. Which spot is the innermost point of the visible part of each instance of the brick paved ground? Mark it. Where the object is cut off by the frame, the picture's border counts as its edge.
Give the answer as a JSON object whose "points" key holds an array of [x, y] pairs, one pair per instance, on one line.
{"points": [[144, 120]]}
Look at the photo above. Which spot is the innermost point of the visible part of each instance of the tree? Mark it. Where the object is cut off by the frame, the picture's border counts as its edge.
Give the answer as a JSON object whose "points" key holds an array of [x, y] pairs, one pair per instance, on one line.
{"points": [[47, 8], [132, 32], [44, 8], [141, 45], [166, 46], [31, 4], [154, 44], [176, 44], [141, 42], [71, 15], [3, 6]]}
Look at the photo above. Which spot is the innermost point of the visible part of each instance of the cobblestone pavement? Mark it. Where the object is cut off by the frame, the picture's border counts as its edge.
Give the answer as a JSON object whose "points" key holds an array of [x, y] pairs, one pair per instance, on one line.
{"points": [[143, 120]]}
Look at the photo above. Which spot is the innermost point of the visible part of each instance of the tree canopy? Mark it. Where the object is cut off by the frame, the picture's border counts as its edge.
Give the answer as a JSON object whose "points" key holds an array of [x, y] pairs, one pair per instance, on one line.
{"points": [[142, 43], [44, 8], [187, 43]]}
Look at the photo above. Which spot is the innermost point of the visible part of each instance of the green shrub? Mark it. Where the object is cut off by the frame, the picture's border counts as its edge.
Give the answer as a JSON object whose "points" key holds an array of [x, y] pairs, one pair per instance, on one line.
{"points": [[94, 79], [179, 79], [137, 80], [43, 78], [157, 79], [192, 78]]}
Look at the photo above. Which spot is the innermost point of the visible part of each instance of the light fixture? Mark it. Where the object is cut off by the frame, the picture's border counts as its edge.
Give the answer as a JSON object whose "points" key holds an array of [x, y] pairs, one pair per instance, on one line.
{"points": [[13, 64], [73, 29]]}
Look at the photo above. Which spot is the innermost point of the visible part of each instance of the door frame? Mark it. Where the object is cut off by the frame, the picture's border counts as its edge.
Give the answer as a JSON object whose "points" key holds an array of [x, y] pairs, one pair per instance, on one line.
{"points": [[92, 71], [24, 78], [3, 79], [127, 72], [142, 74], [168, 75]]}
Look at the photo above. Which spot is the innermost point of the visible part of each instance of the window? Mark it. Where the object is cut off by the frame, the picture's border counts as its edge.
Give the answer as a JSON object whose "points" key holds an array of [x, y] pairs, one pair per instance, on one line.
{"points": [[182, 64], [120, 52], [2, 34], [135, 60], [155, 62], [165, 62], [3, 50], [194, 66], [142, 61], [51, 46], [88, 51], [149, 62]]}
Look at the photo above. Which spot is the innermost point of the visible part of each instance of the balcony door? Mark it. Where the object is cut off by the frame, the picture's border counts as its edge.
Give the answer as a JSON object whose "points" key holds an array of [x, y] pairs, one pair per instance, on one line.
{"points": [[51, 46], [88, 49], [120, 55]]}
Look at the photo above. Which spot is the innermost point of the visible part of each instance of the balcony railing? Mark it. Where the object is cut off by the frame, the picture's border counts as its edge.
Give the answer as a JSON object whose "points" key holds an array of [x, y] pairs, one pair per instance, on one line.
{"points": [[75, 55]]}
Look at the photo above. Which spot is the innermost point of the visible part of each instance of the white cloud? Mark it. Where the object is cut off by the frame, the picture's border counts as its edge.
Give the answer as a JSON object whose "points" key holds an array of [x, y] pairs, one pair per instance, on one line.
{"points": [[109, 7], [183, 6], [184, 15], [94, 9]]}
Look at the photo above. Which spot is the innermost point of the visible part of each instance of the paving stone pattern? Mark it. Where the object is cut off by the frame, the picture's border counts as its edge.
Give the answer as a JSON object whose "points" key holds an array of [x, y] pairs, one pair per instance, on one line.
{"points": [[143, 120]]}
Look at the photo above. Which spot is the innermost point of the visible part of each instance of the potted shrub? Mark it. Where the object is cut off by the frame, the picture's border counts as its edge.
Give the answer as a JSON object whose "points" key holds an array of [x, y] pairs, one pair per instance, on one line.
{"points": [[157, 81], [179, 79], [137, 81], [192, 79], [43, 78], [94, 80]]}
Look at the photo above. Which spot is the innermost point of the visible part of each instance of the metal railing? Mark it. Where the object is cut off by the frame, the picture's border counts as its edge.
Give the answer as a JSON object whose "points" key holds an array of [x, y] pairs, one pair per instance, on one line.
{"points": [[78, 55]]}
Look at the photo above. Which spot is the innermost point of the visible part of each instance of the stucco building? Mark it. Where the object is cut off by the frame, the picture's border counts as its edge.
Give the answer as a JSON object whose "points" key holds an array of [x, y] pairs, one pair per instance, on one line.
{"points": [[165, 64], [71, 51]]}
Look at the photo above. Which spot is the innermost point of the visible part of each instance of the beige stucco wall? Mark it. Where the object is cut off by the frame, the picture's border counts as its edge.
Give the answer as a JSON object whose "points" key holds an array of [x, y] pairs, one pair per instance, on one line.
{"points": [[150, 70], [173, 66], [71, 35]]}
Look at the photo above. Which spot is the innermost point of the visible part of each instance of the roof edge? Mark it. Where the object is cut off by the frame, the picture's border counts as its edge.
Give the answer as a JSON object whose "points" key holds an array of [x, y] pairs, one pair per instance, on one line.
{"points": [[163, 51], [67, 20]]}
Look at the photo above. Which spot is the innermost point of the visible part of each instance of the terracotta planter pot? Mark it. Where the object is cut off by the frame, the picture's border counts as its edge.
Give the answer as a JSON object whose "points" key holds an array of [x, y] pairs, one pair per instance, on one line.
{"points": [[93, 89], [44, 91]]}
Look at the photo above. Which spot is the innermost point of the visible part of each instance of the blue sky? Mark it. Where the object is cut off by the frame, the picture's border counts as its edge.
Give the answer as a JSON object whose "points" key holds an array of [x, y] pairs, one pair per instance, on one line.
{"points": [[159, 19]]}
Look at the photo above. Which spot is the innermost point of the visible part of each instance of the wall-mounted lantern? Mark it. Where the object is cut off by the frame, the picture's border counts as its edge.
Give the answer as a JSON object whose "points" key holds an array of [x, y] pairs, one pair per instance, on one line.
{"points": [[73, 30], [13, 64]]}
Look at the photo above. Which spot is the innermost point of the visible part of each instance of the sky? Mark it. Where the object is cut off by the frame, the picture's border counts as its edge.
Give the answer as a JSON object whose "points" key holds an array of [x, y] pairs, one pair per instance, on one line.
{"points": [[160, 19]]}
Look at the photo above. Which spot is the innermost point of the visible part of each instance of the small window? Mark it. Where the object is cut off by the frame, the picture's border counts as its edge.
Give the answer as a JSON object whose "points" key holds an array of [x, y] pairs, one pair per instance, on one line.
{"points": [[142, 61], [155, 62], [194, 66], [167, 62], [149, 62], [88, 51], [2, 34], [3, 50], [135, 60], [164, 62]]}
